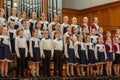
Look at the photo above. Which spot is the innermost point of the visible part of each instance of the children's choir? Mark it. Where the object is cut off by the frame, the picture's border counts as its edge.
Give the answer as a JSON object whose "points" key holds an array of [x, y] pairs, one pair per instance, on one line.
{"points": [[84, 48]]}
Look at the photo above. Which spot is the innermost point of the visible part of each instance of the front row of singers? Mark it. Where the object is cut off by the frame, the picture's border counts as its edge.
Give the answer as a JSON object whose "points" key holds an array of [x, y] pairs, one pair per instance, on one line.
{"points": [[86, 57]]}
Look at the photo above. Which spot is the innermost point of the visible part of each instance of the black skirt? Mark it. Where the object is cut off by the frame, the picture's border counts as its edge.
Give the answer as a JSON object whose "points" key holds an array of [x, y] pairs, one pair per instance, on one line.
{"points": [[36, 55], [2, 51], [7, 54], [117, 59]]}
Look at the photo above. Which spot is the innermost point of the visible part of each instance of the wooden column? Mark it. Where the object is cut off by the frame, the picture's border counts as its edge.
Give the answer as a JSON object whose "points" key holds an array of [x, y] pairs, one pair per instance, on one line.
{"points": [[45, 6], [1, 3]]}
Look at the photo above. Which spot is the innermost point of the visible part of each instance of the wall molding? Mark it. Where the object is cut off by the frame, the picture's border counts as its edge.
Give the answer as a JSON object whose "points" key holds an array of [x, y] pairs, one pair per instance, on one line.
{"points": [[100, 7]]}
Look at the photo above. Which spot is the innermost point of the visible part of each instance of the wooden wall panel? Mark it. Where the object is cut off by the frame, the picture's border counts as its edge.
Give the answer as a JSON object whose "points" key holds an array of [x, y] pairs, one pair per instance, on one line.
{"points": [[1, 3], [115, 16], [45, 7], [71, 13]]}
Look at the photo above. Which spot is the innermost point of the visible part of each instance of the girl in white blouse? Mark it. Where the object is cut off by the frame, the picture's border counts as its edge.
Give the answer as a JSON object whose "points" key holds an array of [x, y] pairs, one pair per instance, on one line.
{"points": [[6, 52]]}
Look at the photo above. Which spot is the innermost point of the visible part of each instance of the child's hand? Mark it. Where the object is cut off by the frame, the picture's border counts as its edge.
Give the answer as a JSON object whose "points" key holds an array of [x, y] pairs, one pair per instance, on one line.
{"points": [[87, 58], [106, 59], [97, 59], [25, 55], [18, 55], [52, 56], [31, 56], [43, 56], [113, 59], [77, 57], [67, 57]]}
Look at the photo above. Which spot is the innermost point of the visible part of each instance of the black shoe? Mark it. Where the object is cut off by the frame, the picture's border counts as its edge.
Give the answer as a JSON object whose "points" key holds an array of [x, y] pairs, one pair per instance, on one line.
{"points": [[18, 76], [55, 76], [78, 75], [88, 75], [45, 76], [67, 75], [61, 76], [7, 76], [2, 76], [22, 76], [38, 76], [33, 76], [107, 75], [111, 75], [49, 76], [26, 69], [72, 75], [98, 75]]}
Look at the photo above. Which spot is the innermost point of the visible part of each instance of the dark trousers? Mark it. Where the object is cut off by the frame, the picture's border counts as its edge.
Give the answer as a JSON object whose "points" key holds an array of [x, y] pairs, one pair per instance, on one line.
{"points": [[20, 62], [46, 62], [58, 55], [26, 59]]}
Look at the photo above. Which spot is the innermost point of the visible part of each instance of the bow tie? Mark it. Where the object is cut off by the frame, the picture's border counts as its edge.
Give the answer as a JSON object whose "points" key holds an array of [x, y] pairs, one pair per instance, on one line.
{"points": [[58, 39], [5, 21], [25, 28], [46, 38], [21, 36], [12, 20]]}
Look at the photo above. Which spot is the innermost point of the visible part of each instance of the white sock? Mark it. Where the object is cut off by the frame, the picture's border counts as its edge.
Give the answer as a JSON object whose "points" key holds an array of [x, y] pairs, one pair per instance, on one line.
{"points": [[33, 65], [37, 69], [68, 70]]}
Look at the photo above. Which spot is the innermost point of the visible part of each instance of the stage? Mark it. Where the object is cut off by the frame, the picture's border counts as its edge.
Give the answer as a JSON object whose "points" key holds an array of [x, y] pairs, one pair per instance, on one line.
{"points": [[66, 78]]}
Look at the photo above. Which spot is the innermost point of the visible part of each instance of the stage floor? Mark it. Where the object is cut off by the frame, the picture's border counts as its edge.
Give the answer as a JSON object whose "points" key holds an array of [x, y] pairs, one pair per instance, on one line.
{"points": [[67, 78]]}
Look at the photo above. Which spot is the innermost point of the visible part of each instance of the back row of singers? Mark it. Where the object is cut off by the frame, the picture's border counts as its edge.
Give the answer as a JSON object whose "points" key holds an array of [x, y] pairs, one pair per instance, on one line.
{"points": [[44, 23]]}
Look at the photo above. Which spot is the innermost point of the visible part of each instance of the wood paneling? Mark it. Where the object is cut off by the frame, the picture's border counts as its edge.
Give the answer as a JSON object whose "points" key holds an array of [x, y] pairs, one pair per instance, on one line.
{"points": [[1, 3], [45, 6], [71, 13], [108, 14]]}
